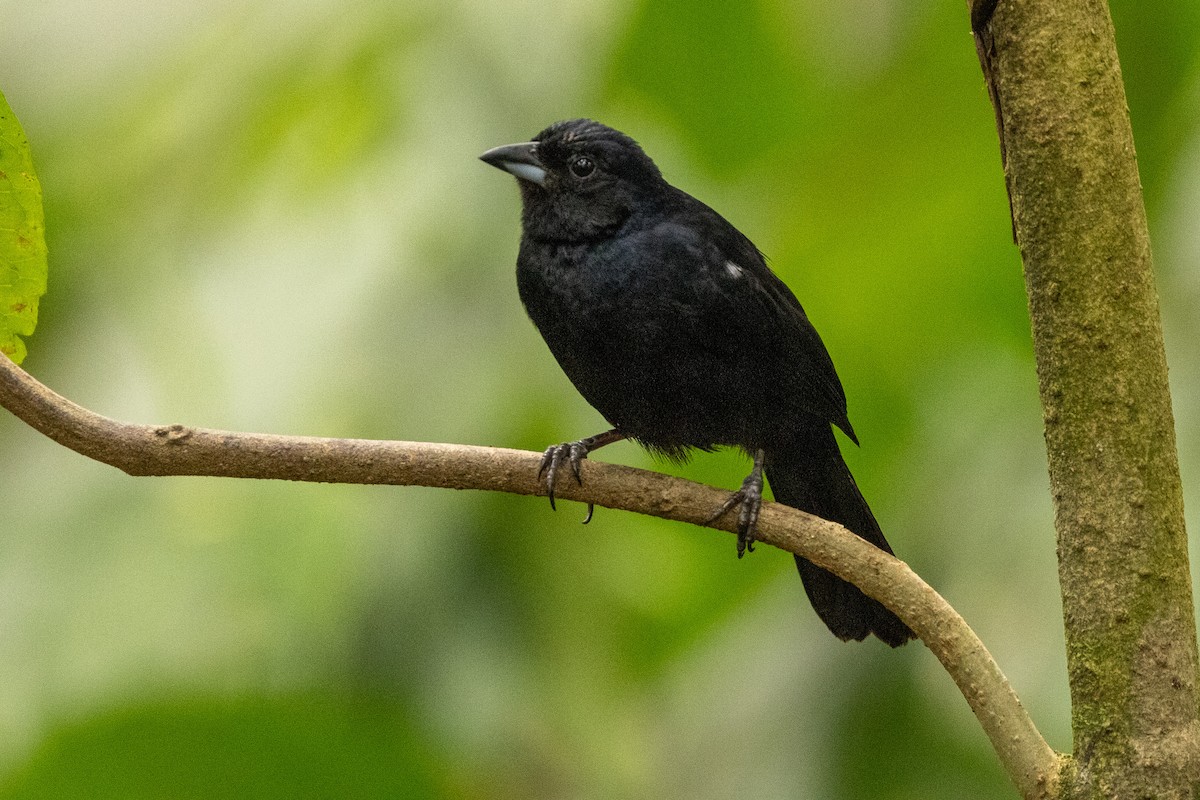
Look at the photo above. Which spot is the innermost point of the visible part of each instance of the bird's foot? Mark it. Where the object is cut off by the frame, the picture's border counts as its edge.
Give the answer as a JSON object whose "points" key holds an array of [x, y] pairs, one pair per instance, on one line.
{"points": [[556, 456], [571, 454], [750, 499]]}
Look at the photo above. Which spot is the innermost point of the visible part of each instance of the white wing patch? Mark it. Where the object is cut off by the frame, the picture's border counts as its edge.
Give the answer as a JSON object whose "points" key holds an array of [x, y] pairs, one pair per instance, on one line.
{"points": [[734, 270]]}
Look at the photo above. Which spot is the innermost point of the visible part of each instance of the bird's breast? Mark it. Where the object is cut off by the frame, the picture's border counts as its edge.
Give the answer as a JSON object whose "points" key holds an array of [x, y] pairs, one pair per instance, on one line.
{"points": [[577, 285]]}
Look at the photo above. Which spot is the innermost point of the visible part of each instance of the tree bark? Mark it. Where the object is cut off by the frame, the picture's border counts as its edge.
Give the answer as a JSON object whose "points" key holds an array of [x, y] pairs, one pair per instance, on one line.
{"points": [[1079, 221]]}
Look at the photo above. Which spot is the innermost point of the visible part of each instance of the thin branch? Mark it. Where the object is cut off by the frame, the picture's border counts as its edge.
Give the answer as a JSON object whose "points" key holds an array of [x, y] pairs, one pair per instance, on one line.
{"points": [[182, 450]]}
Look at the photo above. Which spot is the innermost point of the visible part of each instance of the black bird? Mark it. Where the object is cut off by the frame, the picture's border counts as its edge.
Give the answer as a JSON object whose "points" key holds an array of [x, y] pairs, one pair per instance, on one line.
{"points": [[670, 323]]}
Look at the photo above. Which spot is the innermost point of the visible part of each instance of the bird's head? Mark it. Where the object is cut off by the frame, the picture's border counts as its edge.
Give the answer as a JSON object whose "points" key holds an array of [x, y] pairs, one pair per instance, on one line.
{"points": [[579, 179]]}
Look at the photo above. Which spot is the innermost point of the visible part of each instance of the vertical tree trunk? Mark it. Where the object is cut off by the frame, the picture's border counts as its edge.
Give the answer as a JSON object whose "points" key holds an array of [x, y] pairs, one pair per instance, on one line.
{"points": [[1080, 223]]}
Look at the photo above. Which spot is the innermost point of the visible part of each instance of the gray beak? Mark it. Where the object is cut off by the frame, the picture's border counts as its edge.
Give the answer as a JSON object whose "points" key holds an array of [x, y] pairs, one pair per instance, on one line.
{"points": [[519, 159]]}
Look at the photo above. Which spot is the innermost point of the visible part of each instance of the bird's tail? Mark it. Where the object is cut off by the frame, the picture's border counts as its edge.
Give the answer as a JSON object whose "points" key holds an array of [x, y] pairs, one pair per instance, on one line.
{"points": [[808, 473]]}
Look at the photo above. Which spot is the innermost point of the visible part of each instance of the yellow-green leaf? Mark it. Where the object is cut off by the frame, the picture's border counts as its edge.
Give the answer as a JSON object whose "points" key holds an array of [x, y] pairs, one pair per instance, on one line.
{"points": [[23, 265]]}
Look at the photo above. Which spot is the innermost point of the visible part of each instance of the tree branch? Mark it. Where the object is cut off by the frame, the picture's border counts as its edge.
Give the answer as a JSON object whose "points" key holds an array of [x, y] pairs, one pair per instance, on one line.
{"points": [[1078, 217], [182, 450]]}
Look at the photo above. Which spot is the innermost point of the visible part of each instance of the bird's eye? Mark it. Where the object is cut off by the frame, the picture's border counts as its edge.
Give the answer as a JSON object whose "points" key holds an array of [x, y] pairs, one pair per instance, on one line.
{"points": [[582, 166]]}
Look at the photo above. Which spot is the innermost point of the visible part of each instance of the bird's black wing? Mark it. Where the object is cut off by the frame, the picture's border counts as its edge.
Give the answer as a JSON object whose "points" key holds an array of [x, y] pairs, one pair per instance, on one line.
{"points": [[760, 313]]}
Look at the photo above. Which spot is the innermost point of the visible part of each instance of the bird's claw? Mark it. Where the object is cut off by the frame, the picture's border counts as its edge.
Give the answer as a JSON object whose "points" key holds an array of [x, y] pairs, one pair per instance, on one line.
{"points": [[571, 453], [750, 498]]}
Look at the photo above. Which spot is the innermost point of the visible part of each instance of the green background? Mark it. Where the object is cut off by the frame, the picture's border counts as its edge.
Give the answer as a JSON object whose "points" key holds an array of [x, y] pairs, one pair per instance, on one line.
{"points": [[273, 219]]}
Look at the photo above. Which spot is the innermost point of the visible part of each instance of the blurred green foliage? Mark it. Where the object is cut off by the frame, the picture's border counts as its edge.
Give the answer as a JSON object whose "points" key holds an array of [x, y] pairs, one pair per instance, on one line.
{"points": [[272, 218], [303, 746]]}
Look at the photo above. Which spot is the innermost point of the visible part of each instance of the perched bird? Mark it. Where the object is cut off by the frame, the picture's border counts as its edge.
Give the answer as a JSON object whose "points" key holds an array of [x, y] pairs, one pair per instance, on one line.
{"points": [[670, 323]]}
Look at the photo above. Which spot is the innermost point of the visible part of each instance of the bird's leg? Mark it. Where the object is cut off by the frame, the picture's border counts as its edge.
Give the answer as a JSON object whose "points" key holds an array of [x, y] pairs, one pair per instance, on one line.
{"points": [[573, 453], [750, 499]]}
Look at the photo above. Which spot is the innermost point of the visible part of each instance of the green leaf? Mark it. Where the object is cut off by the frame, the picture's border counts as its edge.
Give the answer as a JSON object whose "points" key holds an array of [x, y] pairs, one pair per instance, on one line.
{"points": [[23, 264]]}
